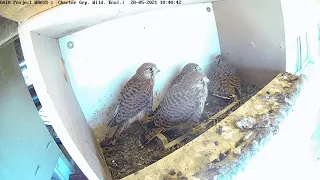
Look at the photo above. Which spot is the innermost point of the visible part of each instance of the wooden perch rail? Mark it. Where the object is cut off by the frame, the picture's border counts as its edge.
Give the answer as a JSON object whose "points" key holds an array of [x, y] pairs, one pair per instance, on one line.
{"points": [[16, 10], [8, 31]]}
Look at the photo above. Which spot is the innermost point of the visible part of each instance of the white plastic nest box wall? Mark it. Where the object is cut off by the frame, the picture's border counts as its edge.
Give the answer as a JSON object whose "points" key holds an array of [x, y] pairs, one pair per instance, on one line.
{"points": [[170, 38]]}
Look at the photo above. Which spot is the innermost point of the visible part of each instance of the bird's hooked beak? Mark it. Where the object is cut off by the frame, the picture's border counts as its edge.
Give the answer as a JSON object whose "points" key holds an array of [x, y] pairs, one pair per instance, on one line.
{"points": [[158, 70], [199, 69]]}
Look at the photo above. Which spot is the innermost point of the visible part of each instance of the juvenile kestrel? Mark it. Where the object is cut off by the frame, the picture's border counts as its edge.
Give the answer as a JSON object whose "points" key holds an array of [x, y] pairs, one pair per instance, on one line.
{"points": [[224, 79], [135, 101], [183, 104], [190, 67]]}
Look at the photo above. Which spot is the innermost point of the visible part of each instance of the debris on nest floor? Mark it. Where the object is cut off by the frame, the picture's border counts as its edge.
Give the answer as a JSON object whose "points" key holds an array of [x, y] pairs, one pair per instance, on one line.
{"points": [[127, 157]]}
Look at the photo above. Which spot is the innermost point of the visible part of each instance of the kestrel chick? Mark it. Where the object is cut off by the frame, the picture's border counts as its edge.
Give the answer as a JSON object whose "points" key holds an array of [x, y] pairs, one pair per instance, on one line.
{"points": [[224, 79], [135, 101], [183, 103], [190, 67]]}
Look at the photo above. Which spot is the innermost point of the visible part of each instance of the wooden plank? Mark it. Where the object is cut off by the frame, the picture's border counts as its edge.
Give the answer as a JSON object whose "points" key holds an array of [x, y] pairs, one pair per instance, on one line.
{"points": [[8, 31], [20, 12]]}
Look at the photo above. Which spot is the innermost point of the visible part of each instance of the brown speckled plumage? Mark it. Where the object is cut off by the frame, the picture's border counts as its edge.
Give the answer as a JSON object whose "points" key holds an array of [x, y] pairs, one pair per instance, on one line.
{"points": [[190, 67], [224, 79], [183, 103], [135, 101]]}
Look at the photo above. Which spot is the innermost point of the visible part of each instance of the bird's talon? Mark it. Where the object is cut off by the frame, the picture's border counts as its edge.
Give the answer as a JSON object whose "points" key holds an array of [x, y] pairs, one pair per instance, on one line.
{"points": [[113, 142], [198, 130], [107, 142], [147, 119]]}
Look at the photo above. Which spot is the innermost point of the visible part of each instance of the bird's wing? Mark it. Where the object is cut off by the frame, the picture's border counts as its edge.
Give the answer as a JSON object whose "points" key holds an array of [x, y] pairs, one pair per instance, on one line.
{"points": [[134, 97], [176, 108], [176, 80]]}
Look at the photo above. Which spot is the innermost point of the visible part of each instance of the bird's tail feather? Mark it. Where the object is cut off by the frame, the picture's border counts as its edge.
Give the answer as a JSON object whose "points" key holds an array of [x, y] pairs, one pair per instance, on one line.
{"points": [[115, 136], [113, 122], [119, 130], [237, 92], [156, 110]]}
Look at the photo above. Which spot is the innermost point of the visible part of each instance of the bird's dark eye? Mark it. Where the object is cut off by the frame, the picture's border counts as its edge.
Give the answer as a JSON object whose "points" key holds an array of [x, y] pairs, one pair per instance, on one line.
{"points": [[150, 69]]}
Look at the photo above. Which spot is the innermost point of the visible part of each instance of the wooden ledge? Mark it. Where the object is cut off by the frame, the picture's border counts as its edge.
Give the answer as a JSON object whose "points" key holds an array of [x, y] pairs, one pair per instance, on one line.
{"points": [[228, 145]]}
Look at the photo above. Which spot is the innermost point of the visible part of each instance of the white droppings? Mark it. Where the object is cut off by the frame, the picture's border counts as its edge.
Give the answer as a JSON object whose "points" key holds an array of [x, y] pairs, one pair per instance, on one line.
{"points": [[289, 101], [194, 178], [237, 151], [258, 106], [245, 123], [248, 135], [228, 135], [253, 44]]}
